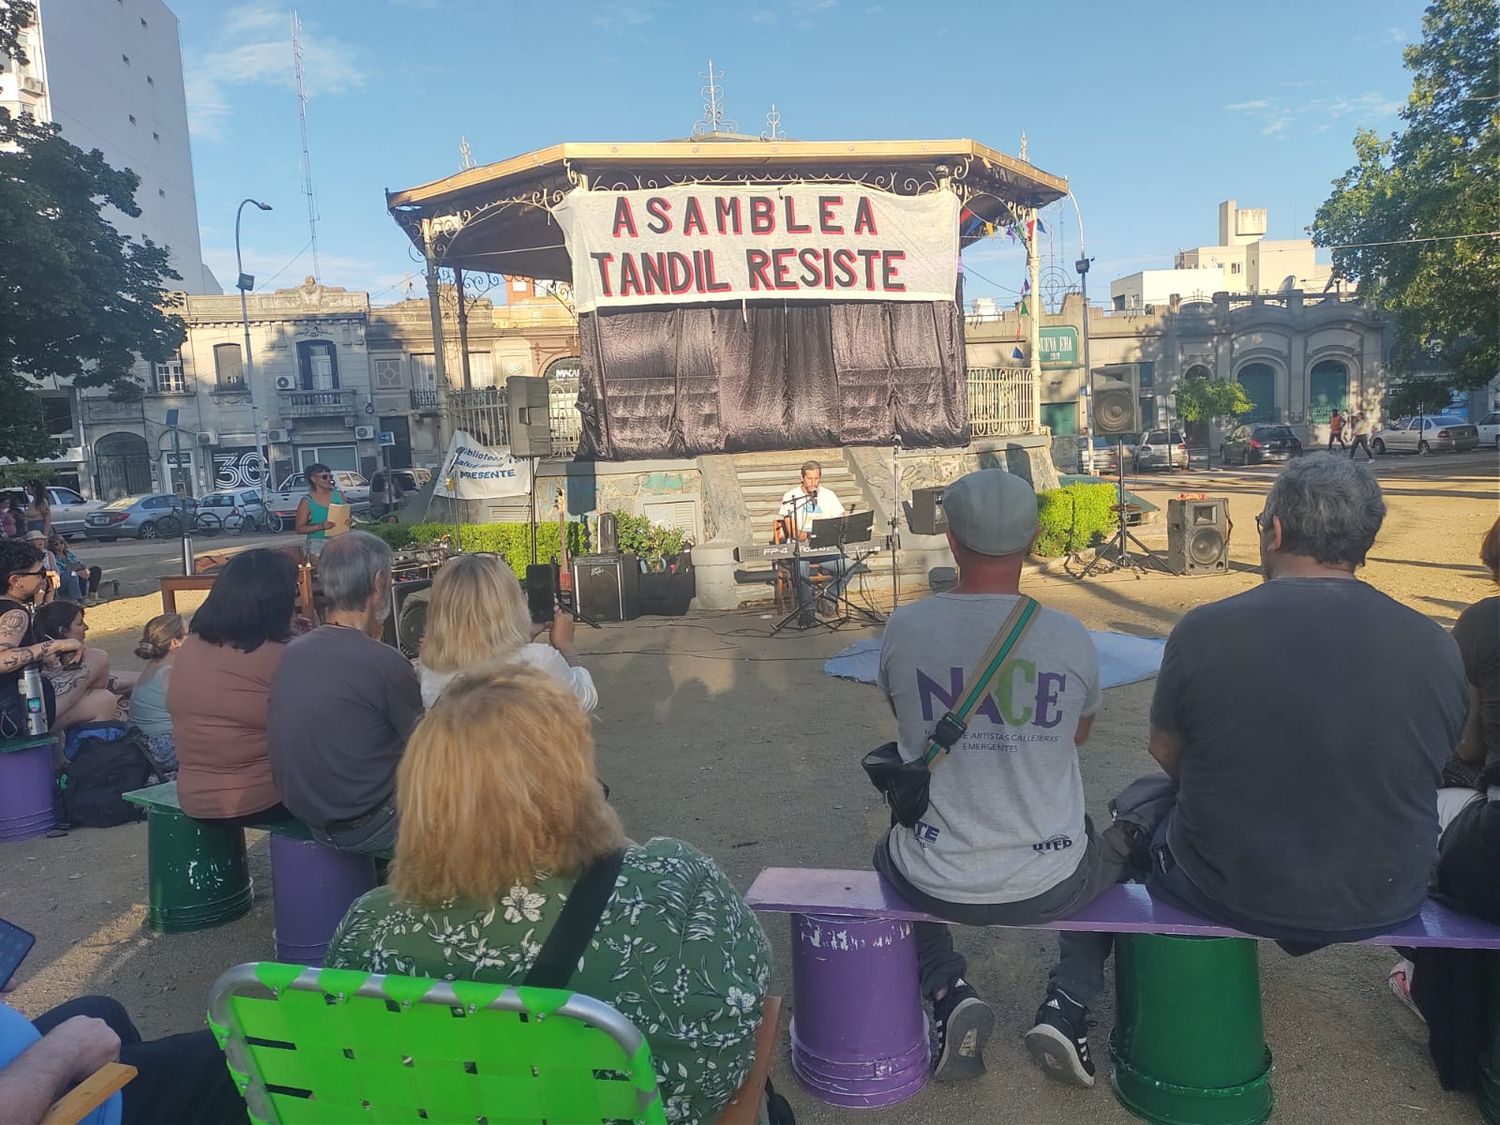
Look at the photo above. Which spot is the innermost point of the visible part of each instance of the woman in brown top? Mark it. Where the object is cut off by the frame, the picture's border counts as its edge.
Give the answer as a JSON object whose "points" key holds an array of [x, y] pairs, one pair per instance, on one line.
{"points": [[221, 688]]}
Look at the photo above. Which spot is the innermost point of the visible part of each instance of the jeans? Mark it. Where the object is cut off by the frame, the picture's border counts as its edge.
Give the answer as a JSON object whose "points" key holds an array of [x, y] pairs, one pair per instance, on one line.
{"points": [[375, 836], [939, 964], [839, 567], [1361, 442], [181, 1078], [1337, 437]]}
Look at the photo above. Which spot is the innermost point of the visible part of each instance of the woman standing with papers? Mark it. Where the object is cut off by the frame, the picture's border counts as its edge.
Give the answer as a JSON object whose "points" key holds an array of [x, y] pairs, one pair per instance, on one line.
{"points": [[323, 511]]}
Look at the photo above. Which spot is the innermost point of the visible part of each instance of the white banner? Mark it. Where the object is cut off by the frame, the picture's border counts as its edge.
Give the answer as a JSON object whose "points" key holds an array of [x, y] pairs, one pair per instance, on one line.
{"points": [[472, 471], [808, 242]]}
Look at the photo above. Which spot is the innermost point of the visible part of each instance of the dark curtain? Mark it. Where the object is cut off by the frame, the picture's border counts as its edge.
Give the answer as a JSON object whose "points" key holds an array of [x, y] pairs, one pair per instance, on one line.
{"points": [[714, 379]]}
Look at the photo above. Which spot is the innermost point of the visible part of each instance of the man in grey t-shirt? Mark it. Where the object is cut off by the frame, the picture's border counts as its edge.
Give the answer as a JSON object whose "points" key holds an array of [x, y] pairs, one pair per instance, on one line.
{"points": [[1304, 725], [1004, 840]]}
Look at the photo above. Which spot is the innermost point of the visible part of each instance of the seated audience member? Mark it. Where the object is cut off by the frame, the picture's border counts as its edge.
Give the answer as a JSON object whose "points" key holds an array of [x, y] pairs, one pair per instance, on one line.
{"points": [[84, 687], [220, 690], [478, 615], [160, 640], [181, 1078], [24, 576], [80, 581], [343, 704], [1448, 987], [54, 569], [1004, 840], [1294, 819], [500, 818]]}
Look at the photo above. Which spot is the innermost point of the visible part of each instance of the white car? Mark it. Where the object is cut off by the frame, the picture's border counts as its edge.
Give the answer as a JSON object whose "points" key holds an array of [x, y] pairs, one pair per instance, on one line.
{"points": [[1426, 433], [283, 502], [1489, 429], [70, 511]]}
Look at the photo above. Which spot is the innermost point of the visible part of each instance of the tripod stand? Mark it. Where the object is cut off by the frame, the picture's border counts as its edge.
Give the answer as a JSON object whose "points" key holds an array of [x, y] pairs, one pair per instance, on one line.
{"points": [[1124, 537]]}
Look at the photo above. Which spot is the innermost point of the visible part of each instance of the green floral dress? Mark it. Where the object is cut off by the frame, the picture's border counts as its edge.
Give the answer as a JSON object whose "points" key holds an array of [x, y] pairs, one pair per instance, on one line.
{"points": [[677, 951]]}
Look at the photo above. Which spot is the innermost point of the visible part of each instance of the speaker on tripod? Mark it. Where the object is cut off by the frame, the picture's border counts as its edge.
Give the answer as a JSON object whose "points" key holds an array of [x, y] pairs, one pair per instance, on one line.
{"points": [[1198, 535], [526, 421]]}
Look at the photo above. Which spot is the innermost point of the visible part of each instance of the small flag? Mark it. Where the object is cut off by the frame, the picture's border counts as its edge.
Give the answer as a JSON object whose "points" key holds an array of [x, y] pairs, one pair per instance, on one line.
{"points": [[989, 230], [1016, 353], [1024, 310], [1041, 226], [1030, 229], [1025, 285], [1010, 231]]}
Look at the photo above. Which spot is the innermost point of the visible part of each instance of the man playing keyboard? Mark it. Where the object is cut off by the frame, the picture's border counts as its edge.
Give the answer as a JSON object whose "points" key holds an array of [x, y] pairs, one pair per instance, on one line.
{"points": [[799, 507]]}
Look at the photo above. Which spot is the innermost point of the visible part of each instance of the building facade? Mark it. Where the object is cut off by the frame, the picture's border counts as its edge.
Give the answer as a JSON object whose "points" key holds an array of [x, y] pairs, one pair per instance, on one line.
{"points": [[326, 376], [1243, 261], [1297, 355]]}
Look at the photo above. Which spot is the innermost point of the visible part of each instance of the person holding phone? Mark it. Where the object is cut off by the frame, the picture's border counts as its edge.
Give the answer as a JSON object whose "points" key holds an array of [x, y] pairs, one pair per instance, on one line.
{"points": [[24, 575], [181, 1078], [478, 615]]}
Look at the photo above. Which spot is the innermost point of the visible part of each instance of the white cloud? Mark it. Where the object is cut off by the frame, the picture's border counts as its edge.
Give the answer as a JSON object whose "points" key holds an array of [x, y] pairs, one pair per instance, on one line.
{"points": [[1281, 116], [1248, 107], [628, 17], [763, 16], [420, 5], [253, 47], [1396, 35], [1276, 127]]}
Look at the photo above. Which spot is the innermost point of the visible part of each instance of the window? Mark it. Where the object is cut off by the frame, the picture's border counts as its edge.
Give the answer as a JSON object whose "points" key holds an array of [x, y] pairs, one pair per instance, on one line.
{"points": [[387, 374], [424, 372], [481, 370], [229, 367], [169, 377], [318, 365]]}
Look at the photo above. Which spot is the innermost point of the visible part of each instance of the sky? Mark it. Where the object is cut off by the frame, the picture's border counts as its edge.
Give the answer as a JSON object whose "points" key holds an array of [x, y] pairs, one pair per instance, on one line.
{"points": [[1154, 112]]}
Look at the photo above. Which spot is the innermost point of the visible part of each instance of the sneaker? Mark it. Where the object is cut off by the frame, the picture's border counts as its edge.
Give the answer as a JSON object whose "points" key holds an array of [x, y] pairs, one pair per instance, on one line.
{"points": [[1060, 1040], [1399, 978], [962, 1023]]}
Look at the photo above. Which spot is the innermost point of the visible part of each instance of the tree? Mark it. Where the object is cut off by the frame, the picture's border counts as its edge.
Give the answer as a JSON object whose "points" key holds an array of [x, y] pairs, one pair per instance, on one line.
{"points": [[1419, 396], [78, 300], [1202, 400], [1436, 181]]}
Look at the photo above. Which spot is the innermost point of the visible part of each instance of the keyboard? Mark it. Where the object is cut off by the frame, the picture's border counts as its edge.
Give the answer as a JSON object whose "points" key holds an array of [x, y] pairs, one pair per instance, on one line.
{"points": [[757, 552]]}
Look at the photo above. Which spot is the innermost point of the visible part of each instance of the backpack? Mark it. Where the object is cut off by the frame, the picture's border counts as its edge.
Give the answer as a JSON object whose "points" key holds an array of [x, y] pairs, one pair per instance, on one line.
{"points": [[105, 760]]}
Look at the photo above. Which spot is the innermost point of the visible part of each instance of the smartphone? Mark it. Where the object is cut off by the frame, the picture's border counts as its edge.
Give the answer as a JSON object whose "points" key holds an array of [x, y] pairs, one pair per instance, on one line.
{"points": [[15, 944], [541, 593]]}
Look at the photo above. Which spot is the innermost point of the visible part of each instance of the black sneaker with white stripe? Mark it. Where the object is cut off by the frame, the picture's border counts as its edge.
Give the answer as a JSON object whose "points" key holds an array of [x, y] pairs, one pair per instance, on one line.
{"points": [[1060, 1040], [961, 1025]]}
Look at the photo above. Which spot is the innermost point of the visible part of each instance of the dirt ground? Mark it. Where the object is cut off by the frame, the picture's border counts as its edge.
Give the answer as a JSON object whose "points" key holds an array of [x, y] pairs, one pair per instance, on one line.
{"points": [[711, 731]]}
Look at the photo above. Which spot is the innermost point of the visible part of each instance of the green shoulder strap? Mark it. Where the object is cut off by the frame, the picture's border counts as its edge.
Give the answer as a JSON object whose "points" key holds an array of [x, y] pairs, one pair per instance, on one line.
{"points": [[951, 727]]}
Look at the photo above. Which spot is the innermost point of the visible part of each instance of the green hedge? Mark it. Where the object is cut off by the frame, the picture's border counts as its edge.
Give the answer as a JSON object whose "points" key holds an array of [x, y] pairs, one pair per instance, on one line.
{"points": [[1073, 518], [510, 540]]}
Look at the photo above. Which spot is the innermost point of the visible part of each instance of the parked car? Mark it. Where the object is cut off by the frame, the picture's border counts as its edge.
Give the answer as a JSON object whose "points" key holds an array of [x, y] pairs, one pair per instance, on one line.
{"points": [[157, 515], [283, 502], [1160, 449], [1489, 429], [1253, 445], [69, 510], [237, 511], [1426, 433], [1106, 456]]}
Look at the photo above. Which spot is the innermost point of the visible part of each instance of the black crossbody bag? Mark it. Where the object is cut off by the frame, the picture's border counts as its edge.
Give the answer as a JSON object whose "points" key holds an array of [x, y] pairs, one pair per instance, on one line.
{"points": [[905, 785]]}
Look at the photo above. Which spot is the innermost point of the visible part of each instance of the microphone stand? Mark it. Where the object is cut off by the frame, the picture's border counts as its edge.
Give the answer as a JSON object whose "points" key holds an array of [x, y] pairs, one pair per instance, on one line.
{"points": [[795, 561]]}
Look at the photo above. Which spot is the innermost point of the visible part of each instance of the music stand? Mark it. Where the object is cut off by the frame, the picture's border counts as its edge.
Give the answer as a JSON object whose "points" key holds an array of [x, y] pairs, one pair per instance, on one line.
{"points": [[840, 532]]}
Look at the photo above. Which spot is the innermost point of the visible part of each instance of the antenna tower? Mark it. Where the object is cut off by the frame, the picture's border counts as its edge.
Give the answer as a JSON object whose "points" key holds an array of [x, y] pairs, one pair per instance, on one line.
{"points": [[713, 120], [307, 180]]}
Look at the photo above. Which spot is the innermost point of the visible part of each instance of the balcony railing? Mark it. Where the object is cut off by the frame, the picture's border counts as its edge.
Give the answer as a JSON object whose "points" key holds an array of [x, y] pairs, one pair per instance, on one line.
{"points": [[315, 404], [424, 400], [1000, 401]]}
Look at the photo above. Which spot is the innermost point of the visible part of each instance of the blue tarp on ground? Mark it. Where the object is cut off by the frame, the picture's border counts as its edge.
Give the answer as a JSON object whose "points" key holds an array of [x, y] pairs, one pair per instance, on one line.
{"points": [[1123, 659]]}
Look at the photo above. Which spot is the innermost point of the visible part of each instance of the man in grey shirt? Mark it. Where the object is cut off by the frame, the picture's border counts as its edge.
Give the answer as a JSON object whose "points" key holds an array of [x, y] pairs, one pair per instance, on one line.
{"points": [[1004, 840], [1303, 725], [343, 704]]}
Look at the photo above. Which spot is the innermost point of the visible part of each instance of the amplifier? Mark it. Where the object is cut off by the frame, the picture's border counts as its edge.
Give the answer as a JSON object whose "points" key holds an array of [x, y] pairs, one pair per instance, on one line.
{"points": [[927, 512], [408, 620], [1198, 536], [607, 587]]}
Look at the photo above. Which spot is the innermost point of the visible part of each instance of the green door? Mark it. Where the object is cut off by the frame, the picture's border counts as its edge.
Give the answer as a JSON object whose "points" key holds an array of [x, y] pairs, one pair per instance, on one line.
{"points": [[1259, 381], [1327, 389]]}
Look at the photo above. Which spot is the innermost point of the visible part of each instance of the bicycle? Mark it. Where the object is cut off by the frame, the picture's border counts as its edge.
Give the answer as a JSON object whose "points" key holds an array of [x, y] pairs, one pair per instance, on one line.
{"points": [[241, 523], [207, 524]]}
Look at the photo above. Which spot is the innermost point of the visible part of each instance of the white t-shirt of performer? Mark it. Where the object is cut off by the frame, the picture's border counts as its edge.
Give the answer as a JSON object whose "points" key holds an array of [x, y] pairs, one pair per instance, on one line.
{"points": [[825, 507]]}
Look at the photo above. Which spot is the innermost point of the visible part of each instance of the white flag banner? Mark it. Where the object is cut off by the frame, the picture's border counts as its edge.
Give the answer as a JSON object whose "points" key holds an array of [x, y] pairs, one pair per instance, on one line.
{"points": [[812, 242], [472, 471]]}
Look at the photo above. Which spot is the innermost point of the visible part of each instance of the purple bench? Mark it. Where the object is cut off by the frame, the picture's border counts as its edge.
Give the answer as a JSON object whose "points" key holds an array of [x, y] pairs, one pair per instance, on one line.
{"points": [[858, 1035]]}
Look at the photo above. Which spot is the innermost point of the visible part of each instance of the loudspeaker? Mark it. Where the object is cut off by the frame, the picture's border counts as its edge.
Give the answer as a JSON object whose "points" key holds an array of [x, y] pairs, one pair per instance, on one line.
{"points": [[1117, 406], [541, 592], [408, 620], [607, 587], [526, 417], [609, 534], [927, 516], [1198, 536]]}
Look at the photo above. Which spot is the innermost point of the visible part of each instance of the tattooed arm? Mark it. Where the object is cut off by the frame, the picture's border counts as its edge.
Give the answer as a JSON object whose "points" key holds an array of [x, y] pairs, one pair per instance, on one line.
{"points": [[13, 654]]}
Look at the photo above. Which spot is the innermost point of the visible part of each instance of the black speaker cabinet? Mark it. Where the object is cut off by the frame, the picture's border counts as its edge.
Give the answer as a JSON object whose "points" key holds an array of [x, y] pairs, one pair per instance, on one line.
{"points": [[408, 620], [1198, 536], [927, 512], [607, 587], [526, 419]]}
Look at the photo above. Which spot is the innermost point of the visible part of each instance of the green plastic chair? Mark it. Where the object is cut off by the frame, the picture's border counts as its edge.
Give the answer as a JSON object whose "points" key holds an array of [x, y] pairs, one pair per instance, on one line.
{"points": [[319, 1046]]}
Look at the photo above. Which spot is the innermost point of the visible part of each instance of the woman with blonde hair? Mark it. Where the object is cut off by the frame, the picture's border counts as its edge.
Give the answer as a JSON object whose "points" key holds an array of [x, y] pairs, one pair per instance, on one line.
{"points": [[501, 819], [160, 640], [477, 615]]}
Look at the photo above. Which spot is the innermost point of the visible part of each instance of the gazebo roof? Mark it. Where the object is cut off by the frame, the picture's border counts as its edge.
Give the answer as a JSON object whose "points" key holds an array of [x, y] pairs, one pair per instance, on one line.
{"points": [[497, 218]]}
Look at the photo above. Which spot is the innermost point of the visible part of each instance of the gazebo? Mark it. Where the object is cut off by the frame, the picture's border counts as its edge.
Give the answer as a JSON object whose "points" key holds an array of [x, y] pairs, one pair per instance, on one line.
{"points": [[518, 216]]}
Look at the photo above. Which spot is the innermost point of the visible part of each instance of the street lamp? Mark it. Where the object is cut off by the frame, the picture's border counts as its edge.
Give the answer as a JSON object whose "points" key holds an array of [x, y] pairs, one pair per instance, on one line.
{"points": [[244, 284], [1082, 266]]}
